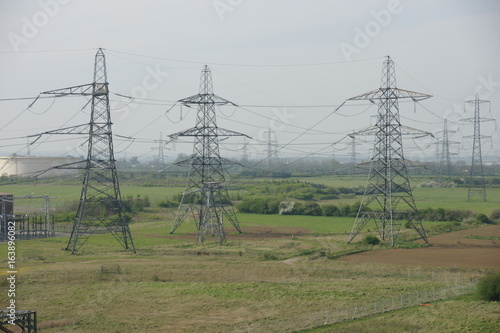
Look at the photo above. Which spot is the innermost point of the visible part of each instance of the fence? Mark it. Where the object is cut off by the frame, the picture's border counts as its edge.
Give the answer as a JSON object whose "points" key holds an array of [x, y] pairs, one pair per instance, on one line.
{"points": [[358, 310]]}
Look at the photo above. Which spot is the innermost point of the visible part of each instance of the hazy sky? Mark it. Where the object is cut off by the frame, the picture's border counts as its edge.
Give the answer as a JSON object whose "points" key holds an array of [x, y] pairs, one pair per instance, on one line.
{"points": [[265, 55]]}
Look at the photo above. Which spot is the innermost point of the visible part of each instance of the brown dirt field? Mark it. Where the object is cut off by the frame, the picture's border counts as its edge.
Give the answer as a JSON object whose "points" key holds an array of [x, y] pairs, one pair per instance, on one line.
{"points": [[448, 250]]}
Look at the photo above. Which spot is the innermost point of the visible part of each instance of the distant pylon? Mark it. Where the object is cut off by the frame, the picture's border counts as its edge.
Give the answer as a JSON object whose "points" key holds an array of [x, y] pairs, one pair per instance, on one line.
{"points": [[206, 197], [477, 187], [272, 150], [445, 160], [100, 203], [354, 155], [161, 156], [388, 186], [244, 151]]}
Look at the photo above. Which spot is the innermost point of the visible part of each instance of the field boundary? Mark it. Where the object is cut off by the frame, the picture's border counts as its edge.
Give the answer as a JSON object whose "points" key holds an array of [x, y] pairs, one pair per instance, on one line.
{"points": [[335, 315]]}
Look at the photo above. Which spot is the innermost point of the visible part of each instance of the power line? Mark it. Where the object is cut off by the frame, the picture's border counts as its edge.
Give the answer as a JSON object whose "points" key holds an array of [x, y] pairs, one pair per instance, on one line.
{"points": [[244, 65]]}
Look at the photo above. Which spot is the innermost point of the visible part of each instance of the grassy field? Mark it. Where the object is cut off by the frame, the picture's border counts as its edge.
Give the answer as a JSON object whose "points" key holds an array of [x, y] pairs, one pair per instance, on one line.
{"points": [[280, 269], [168, 287], [425, 197]]}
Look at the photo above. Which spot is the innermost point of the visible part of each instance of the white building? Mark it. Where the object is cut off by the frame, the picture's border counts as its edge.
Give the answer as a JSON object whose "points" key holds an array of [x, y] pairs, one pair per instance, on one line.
{"points": [[41, 167]]}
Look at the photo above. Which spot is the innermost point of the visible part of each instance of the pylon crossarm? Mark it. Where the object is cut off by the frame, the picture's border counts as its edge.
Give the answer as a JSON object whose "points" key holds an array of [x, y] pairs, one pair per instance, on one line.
{"points": [[78, 129], [404, 130], [195, 131], [82, 90], [205, 99], [391, 93]]}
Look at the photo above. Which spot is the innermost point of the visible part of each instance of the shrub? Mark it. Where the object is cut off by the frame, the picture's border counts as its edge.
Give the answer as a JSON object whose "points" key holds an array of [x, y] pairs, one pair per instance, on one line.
{"points": [[495, 214], [168, 204], [482, 218], [488, 288], [371, 240]]}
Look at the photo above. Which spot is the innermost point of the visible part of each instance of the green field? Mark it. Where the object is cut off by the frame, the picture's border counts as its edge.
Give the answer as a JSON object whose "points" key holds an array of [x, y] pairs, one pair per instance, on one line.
{"points": [[282, 269]]}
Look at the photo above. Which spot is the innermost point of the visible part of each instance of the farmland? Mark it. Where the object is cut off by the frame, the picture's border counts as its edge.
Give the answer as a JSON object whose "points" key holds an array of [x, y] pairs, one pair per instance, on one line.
{"points": [[280, 269]]}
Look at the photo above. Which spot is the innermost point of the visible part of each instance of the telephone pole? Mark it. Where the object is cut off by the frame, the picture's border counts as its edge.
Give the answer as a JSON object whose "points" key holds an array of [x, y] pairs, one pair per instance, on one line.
{"points": [[206, 196], [388, 198]]}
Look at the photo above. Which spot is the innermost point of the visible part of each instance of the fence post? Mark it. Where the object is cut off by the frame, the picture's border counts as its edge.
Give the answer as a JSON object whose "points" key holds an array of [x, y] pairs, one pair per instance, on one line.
{"points": [[417, 296], [401, 300], [355, 314]]}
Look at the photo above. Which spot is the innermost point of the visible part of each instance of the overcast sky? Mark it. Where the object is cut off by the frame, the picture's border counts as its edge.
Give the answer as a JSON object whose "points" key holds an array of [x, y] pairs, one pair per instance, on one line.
{"points": [[265, 55]]}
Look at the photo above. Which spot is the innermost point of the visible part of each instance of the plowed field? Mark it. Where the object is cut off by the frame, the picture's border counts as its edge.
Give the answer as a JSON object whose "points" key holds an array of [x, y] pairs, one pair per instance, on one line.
{"points": [[454, 249]]}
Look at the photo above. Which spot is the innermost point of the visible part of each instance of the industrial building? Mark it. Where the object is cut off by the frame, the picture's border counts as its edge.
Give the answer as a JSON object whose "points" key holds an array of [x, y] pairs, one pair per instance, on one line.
{"points": [[40, 167]]}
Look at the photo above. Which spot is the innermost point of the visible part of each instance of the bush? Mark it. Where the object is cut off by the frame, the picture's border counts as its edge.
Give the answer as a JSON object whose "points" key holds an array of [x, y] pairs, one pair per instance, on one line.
{"points": [[371, 240], [488, 288], [168, 204], [495, 214], [482, 218]]}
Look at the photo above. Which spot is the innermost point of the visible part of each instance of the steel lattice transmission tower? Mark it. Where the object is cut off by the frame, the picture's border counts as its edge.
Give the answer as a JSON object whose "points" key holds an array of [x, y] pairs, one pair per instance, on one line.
{"points": [[388, 199], [477, 187], [206, 196], [445, 160], [161, 156], [100, 205], [352, 168], [272, 148]]}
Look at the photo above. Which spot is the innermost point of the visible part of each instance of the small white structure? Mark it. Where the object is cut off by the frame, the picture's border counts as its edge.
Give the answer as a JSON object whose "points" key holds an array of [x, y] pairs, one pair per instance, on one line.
{"points": [[41, 167]]}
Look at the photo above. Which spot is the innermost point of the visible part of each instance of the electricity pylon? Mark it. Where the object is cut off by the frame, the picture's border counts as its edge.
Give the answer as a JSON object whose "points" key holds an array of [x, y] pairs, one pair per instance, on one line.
{"points": [[161, 156], [445, 160], [206, 197], [352, 169], [272, 149], [388, 199], [477, 187], [100, 203]]}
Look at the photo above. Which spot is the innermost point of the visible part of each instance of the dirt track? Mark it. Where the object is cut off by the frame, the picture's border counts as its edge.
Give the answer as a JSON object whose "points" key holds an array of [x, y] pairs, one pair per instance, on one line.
{"points": [[448, 250]]}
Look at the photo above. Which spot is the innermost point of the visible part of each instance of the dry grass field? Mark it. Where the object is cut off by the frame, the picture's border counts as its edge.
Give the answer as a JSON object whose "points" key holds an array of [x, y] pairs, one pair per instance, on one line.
{"points": [[265, 278]]}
